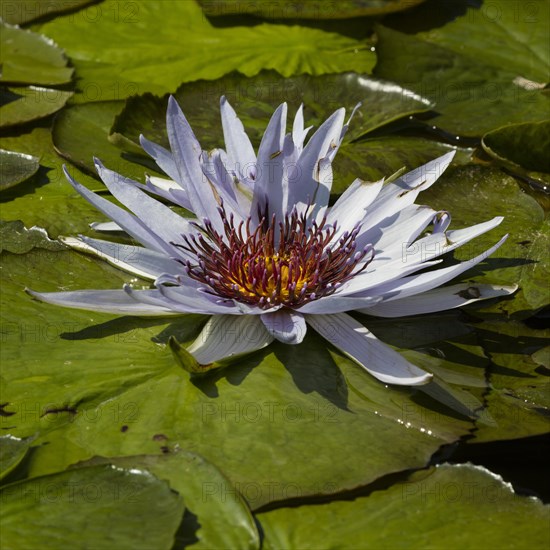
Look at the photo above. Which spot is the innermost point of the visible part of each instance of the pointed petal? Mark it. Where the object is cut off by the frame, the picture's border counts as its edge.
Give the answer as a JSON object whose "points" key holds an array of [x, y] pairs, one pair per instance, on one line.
{"points": [[415, 284], [355, 341], [106, 301], [168, 225], [403, 191], [201, 302], [163, 158], [299, 133], [167, 189], [350, 208], [187, 151], [228, 335], [106, 226], [438, 299], [241, 156], [269, 179], [129, 223], [286, 326], [313, 187], [134, 259]]}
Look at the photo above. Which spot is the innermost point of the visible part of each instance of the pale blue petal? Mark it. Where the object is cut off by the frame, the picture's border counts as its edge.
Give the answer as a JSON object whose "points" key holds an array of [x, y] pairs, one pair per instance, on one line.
{"points": [[337, 304], [226, 336], [168, 225], [129, 223], [439, 299], [355, 341], [286, 326], [134, 259], [187, 151], [105, 301]]}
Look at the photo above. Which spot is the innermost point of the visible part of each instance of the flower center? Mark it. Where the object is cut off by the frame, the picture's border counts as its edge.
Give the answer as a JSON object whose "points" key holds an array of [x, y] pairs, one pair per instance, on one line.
{"points": [[287, 263]]}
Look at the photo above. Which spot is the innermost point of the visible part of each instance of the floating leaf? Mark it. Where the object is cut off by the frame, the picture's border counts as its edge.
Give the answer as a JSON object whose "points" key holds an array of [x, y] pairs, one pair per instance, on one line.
{"points": [[12, 452], [81, 133], [17, 239], [523, 148], [20, 105], [306, 10], [16, 167], [450, 506], [30, 58], [143, 50], [24, 11], [216, 516], [473, 93], [98, 507], [520, 398]]}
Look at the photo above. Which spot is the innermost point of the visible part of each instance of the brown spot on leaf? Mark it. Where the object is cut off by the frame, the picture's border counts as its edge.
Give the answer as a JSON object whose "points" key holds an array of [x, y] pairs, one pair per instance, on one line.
{"points": [[124, 428], [159, 437]]}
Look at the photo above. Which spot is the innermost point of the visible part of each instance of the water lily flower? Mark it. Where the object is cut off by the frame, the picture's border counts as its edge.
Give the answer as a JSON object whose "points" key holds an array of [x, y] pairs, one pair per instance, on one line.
{"points": [[266, 255]]}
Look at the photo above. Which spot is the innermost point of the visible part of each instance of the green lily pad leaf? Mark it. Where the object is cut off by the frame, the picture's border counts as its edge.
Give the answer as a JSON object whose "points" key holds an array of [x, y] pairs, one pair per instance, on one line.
{"points": [[459, 506], [19, 105], [519, 400], [523, 148], [473, 93], [47, 200], [216, 516], [256, 98], [81, 132], [477, 193], [119, 57], [17, 12], [30, 58], [376, 158], [306, 10], [12, 452], [99, 507], [521, 31], [17, 239], [16, 167], [284, 402]]}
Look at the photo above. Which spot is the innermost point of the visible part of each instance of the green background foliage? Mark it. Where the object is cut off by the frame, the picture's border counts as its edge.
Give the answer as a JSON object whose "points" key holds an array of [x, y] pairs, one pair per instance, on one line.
{"points": [[107, 442]]}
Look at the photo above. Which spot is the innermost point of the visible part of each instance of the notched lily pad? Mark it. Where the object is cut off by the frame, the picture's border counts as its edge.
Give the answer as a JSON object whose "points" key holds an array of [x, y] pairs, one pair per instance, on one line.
{"points": [[24, 104], [96, 507], [255, 99], [459, 506], [522, 148], [16, 168], [30, 58], [17, 239]]}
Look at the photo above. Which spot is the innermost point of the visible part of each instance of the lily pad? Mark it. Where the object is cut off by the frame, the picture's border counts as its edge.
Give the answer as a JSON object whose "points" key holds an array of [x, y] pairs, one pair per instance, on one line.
{"points": [[284, 402], [521, 146], [12, 452], [24, 11], [450, 506], [24, 104], [473, 93], [81, 133], [520, 398], [17, 239], [256, 98], [16, 167], [476, 193], [98, 507], [119, 56], [306, 10], [47, 200], [375, 158], [30, 58], [216, 516]]}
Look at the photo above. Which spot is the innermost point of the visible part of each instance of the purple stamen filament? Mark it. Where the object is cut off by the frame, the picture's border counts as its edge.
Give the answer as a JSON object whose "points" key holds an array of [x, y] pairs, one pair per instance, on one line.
{"points": [[254, 267]]}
